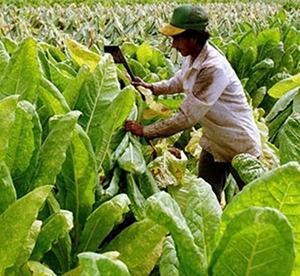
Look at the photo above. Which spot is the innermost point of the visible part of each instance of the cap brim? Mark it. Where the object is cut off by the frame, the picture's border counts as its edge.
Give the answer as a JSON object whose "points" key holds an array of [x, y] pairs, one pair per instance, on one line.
{"points": [[170, 30]]}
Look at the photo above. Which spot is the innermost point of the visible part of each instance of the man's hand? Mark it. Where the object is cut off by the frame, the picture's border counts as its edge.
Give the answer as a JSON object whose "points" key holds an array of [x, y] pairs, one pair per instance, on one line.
{"points": [[134, 127], [139, 82]]}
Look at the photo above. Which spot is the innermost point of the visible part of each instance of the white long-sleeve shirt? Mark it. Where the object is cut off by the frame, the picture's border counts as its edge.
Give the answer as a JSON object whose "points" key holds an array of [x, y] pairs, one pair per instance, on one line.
{"points": [[215, 99]]}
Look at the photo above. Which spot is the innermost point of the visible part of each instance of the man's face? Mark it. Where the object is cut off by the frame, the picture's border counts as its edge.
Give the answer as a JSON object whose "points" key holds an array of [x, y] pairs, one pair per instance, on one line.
{"points": [[184, 45]]}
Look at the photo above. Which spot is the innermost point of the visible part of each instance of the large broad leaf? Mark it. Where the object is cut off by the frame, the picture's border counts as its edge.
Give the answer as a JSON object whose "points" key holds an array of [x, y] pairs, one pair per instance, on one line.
{"points": [[289, 140], [113, 118], [136, 197], [169, 264], [4, 58], [22, 138], [203, 214], [135, 252], [56, 226], [248, 167], [234, 54], [7, 114], [144, 54], [79, 175], [36, 268], [26, 250], [101, 264], [53, 151], [282, 104], [157, 61], [16, 222], [99, 224], [53, 101], [71, 93], [82, 55], [278, 189], [162, 209], [257, 241], [132, 160], [22, 75], [96, 95], [59, 77], [7, 190], [267, 40], [24, 148], [284, 86]]}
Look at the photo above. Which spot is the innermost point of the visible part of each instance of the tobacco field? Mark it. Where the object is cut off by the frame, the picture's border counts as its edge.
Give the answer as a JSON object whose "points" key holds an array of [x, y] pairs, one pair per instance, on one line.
{"points": [[80, 196]]}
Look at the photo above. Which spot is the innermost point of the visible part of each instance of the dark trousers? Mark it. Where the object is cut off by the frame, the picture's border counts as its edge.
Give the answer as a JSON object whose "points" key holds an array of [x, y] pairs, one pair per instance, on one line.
{"points": [[216, 173]]}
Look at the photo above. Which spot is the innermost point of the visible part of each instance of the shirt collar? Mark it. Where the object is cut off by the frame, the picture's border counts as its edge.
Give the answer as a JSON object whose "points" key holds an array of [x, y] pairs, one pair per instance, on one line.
{"points": [[200, 58]]}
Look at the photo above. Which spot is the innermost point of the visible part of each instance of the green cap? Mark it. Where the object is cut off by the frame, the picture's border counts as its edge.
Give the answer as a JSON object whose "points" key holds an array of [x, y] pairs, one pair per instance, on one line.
{"points": [[186, 17]]}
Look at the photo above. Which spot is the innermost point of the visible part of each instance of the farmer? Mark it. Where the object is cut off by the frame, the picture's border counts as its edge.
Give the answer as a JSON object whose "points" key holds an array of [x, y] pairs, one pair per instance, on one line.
{"points": [[214, 98]]}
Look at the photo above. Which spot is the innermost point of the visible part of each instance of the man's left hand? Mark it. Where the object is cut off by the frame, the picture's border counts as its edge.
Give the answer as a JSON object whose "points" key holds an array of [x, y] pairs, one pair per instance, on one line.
{"points": [[134, 127]]}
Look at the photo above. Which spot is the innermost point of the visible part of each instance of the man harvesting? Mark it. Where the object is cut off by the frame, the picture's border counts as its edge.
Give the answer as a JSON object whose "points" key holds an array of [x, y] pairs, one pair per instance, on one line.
{"points": [[214, 98]]}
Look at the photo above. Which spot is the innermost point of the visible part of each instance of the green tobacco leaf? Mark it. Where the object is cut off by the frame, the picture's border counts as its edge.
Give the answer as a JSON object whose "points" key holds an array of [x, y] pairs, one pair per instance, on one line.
{"points": [[162, 209], [296, 103], [113, 118], [53, 151], [135, 251], [99, 224], [101, 264], [56, 226], [9, 44], [137, 68], [267, 40], [281, 105], [96, 95], [149, 264], [62, 254], [82, 55], [71, 93], [4, 58], [132, 160], [79, 174], [22, 138], [7, 114], [147, 184], [28, 135], [26, 250], [277, 189], [53, 100], [74, 272], [284, 86], [169, 264], [291, 37], [234, 54], [60, 78], [258, 96], [37, 268], [247, 60], [7, 189], [248, 167], [16, 222], [249, 40], [256, 241], [22, 75], [144, 54], [289, 140], [203, 214], [113, 186], [157, 61], [136, 197]]}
